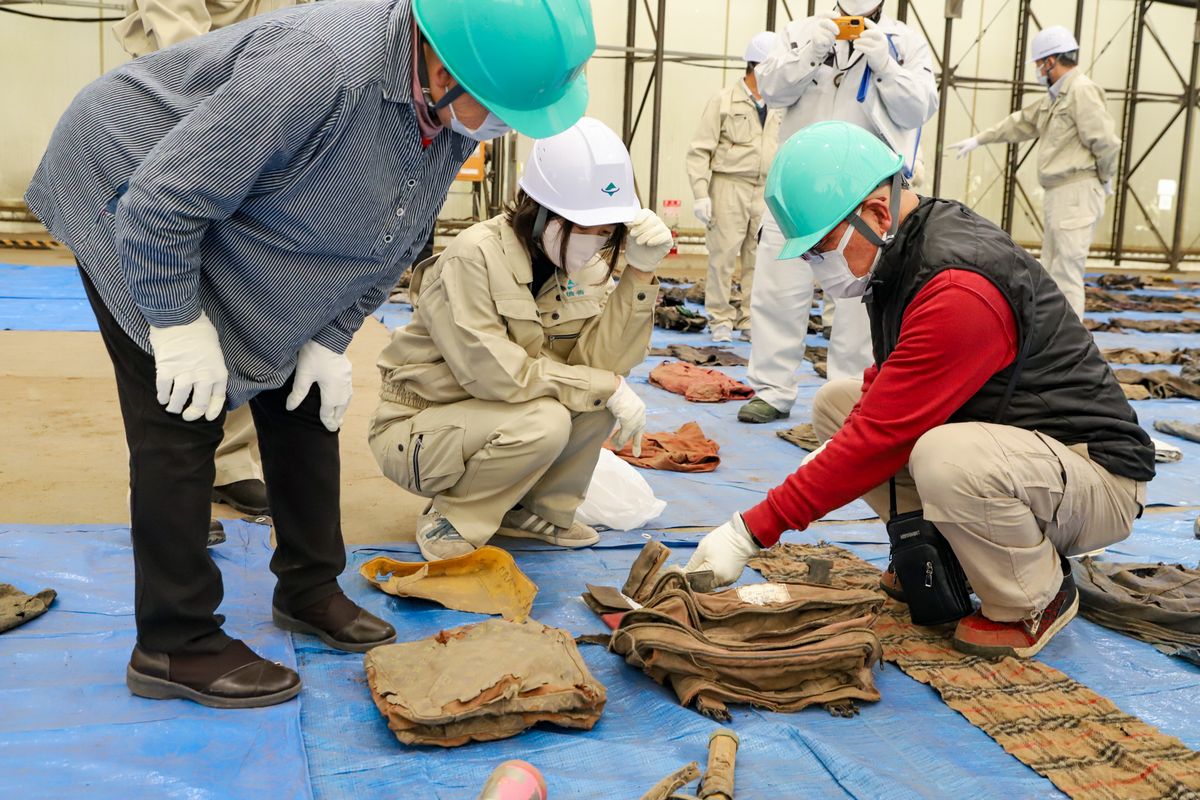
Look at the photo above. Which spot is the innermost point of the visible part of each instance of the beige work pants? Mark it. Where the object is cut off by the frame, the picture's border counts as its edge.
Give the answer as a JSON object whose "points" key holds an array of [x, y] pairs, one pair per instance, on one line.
{"points": [[477, 459], [237, 454], [1071, 212], [1008, 501], [737, 209]]}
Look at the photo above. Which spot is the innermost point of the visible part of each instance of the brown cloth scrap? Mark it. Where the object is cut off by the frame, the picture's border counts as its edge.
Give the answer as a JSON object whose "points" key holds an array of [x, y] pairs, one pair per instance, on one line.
{"points": [[774, 646], [1132, 355], [1144, 325], [1157, 603], [1177, 427], [802, 435], [17, 608], [1100, 300], [482, 682], [1060, 728], [1158, 384], [709, 356], [685, 450], [678, 318], [697, 384], [1119, 281]]}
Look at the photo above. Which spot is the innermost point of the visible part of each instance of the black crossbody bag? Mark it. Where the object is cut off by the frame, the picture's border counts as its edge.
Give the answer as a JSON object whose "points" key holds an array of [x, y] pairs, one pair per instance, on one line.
{"points": [[934, 584]]}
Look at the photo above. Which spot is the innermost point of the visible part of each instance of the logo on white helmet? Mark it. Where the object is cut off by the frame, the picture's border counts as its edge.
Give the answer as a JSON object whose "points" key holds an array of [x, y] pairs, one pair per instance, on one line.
{"points": [[611, 189]]}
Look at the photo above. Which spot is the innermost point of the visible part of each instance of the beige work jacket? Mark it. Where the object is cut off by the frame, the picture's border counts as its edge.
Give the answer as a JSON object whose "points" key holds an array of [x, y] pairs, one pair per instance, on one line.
{"points": [[730, 140], [1078, 136], [151, 25], [478, 332]]}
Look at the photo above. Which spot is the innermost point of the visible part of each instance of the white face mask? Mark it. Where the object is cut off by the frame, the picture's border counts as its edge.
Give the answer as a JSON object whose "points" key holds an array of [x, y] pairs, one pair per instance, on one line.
{"points": [[1043, 77], [858, 8], [581, 248], [491, 127], [832, 271]]}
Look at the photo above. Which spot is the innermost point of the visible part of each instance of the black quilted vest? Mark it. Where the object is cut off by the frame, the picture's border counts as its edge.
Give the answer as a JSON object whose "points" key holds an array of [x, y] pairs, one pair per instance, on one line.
{"points": [[1065, 389]]}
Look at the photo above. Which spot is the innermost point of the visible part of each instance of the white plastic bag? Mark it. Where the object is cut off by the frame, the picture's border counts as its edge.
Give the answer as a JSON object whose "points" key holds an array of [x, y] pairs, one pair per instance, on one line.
{"points": [[618, 498]]}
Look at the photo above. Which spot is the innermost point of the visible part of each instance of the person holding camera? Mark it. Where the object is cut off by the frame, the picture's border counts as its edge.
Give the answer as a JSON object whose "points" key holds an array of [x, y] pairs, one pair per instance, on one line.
{"points": [[1006, 438]]}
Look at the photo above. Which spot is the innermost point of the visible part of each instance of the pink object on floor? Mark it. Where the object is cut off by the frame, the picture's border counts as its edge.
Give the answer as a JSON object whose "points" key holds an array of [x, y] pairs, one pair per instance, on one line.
{"points": [[515, 780]]}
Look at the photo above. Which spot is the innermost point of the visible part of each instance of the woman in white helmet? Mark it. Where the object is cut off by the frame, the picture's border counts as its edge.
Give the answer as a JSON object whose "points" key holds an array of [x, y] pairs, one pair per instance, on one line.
{"points": [[498, 395]]}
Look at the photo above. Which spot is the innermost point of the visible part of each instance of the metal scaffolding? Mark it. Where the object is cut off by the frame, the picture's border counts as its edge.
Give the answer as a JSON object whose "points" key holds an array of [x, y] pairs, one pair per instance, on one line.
{"points": [[1172, 249]]}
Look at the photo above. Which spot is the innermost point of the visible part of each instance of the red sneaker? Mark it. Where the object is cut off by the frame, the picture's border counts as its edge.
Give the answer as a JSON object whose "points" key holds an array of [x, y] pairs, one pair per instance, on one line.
{"points": [[981, 636]]}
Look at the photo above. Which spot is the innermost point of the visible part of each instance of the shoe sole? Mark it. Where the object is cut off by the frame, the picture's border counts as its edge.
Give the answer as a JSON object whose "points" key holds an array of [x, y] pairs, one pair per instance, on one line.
{"points": [[760, 420], [897, 595], [226, 500], [161, 689], [570, 544], [988, 651], [294, 625]]}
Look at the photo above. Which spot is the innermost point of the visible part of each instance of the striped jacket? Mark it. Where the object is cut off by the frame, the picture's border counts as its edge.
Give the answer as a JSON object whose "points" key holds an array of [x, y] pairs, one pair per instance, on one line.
{"points": [[270, 173]]}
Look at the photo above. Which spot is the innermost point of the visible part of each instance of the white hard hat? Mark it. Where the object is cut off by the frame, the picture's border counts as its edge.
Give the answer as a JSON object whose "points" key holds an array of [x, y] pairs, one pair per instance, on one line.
{"points": [[1052, 41], [760, 47], [859, 8], [583, 174]]}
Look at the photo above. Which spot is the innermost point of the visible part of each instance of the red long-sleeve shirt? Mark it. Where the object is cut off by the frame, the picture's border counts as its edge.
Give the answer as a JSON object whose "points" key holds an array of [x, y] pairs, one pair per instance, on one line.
{"points": [[957, 333]]}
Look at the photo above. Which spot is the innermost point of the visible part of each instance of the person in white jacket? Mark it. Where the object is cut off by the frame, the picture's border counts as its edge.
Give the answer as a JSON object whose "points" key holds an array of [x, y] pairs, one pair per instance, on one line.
{"points": [[884, 82]]}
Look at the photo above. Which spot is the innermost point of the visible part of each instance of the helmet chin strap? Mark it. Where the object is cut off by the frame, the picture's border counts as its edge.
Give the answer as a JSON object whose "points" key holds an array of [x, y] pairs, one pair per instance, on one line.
{"points": [[863, 228], [449, 97], [539, 223]]}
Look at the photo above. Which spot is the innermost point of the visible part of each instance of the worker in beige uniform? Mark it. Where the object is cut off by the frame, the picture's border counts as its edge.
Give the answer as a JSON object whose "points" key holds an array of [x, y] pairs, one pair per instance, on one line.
{"points": [[727, 164], [1077, 156], [498, 395], [151, 25]]}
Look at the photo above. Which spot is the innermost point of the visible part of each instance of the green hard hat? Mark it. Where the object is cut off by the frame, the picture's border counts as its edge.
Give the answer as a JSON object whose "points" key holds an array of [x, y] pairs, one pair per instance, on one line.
{"points": [[522, 59], [819, 176]]}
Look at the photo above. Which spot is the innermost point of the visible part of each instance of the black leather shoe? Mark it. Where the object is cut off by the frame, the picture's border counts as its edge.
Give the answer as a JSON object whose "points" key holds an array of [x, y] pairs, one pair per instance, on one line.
{"points": [[216, 532], [234, 678], [248, 497], [338, 622]]}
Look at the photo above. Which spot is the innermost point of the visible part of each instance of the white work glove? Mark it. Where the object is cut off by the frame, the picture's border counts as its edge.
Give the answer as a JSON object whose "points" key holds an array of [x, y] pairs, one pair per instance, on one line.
{"points": [[1108, 188], [873, 44], [823, 33], [188, 362], [702, 208], [630, 412], [332, 373], [726, 551], [647, 242], [965, 146]]}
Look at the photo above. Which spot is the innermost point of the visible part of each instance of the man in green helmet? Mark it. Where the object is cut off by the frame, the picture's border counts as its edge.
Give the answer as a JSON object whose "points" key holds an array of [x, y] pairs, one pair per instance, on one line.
{"points": [[988, 404], [238, 203]]}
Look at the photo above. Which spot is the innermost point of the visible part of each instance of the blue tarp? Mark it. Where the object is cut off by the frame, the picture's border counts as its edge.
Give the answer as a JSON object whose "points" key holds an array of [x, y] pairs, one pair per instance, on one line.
{"points": [[68, 725]]}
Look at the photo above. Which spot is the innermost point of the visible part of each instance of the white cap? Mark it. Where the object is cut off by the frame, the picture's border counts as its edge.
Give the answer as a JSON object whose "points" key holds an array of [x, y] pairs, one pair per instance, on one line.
{"points": [[1052, 41], [859, 8], [760, 47], [583, 174]]}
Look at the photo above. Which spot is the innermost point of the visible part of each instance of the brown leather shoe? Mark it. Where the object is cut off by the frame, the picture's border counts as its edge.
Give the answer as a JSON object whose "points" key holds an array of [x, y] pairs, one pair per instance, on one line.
{"points": [[339, 622], [237, 677], [890, 583]]}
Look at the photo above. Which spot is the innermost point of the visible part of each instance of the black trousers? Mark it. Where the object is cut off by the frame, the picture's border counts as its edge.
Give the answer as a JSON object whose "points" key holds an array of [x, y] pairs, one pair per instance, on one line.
{"points": [[177, 584]]}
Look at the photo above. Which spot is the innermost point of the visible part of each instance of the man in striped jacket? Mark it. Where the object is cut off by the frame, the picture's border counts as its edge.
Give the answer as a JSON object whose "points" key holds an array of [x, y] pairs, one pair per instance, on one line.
{"points": [[238, 203]]}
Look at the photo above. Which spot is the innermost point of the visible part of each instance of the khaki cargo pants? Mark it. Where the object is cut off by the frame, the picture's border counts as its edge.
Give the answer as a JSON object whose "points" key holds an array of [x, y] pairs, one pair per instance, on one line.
{"points": [[1007, 500], [1071, 212], [737, 210], [476, 459]]}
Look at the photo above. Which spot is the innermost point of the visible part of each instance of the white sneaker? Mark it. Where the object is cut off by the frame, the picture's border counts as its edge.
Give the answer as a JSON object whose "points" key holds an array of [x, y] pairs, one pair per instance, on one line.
{"points": [[722, 333], [521, 524], [438, 540]]}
